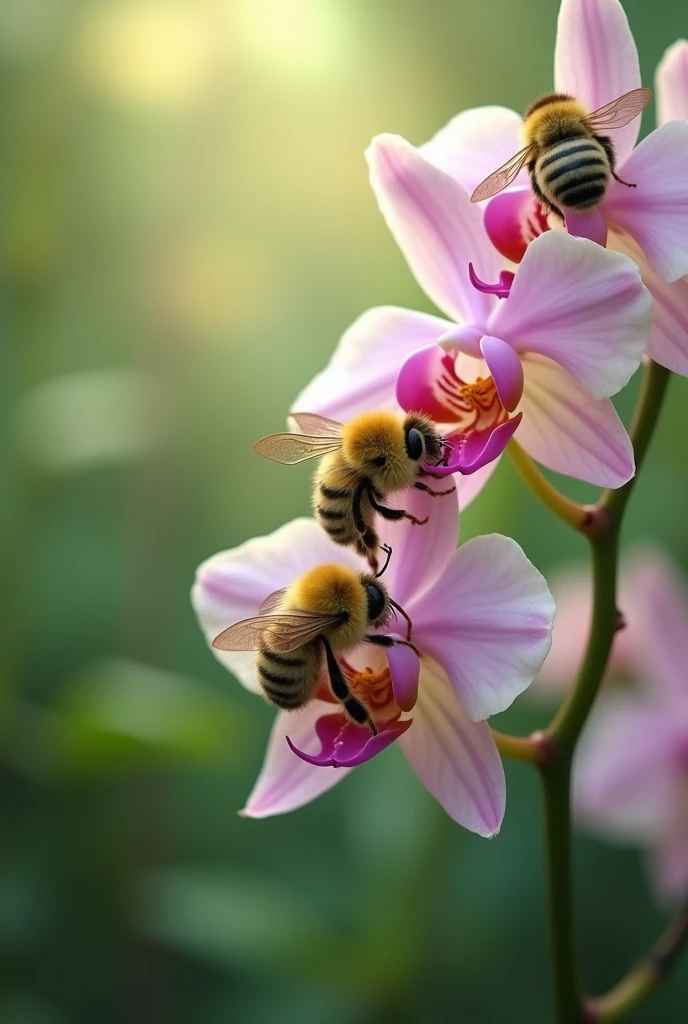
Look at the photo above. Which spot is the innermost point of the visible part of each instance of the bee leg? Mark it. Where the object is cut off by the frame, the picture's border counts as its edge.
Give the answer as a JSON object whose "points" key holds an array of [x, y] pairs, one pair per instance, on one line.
{"points": [[380, 640], [622, 182], [388, 552], [355, 710], [393, 514], [436, 494], [409, 624]]}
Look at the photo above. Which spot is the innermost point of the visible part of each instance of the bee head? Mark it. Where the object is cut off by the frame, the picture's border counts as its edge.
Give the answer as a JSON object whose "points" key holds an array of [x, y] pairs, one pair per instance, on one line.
{"points": [[388, 450]]}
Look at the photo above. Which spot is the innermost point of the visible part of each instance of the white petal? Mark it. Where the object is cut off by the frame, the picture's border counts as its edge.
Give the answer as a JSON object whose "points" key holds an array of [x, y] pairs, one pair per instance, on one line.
{"points": [[475, 143], [455, 759]]}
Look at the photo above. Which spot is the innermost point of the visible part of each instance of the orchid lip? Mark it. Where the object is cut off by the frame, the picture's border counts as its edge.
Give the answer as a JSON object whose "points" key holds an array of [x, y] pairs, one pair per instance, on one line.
{"points": [[501, 289], [493, 447], [587, 224], [346, 745]]}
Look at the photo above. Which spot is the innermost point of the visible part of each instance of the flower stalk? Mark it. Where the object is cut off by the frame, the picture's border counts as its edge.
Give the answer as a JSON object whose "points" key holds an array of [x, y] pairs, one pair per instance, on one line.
{"points": [[565, 729], [645, 976], [570, 512]]}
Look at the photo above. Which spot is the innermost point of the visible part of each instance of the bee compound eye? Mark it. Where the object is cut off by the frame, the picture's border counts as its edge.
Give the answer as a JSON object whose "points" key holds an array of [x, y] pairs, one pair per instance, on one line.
{"points": [[376, 601], [414, 444]]}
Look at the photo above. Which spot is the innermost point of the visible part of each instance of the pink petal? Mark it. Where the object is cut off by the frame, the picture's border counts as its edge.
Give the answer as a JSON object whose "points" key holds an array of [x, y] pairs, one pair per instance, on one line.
{"points": [[668, 343], [346, 745], [513, 219], [584, 307], [506, 369], [361, 375], [475, 143], [455, 759], [671, 84], [568, 431], [596, 59], [232, 585], [404, 669], [487, 621], [588, 224], [419, 553], [285, 781], [655, 213], [669, 859], [627, 768], [436, 226], [417, 383]]}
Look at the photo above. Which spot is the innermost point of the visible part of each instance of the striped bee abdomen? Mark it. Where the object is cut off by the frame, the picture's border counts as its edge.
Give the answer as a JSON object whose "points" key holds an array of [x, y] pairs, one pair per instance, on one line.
{"points": [[573, 173], [333, 499], [288, 680]]}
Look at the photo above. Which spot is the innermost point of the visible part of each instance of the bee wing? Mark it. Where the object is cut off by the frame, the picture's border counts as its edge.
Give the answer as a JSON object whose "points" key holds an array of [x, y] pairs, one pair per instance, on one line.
{"points": [[619, 112], [291, 629], [503, 176], [317, 426], [292, 448], [271, 602]]}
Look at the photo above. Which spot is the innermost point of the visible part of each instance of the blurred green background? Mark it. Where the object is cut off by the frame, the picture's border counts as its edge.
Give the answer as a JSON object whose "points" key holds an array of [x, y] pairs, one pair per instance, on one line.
{"points": [[187, 228]]}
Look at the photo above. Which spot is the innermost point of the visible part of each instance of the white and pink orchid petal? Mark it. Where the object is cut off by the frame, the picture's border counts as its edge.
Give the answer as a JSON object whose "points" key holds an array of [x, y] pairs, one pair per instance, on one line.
{"points": [[420, 553], [455, 759], [286, 781], [581, 305], [669, 858], [513, 219], [506, 369], [488, 622], [475, 143], [596, 59], [404, 671], [436, 226], [668, 344], [232, 585], [627, 768], [362, 373], [343, 744], [655, 212], [671, 84], [570, 432]]}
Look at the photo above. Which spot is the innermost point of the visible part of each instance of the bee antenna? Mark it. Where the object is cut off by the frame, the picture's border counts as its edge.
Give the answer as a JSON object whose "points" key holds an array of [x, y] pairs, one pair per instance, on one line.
{"points": [[409, 625], [388, 552]]}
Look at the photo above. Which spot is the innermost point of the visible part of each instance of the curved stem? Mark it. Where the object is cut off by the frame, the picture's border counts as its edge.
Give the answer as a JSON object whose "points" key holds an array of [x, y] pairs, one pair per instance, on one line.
{"points": [[566, 727], [568, 511], [645, 976], [535, 749]]}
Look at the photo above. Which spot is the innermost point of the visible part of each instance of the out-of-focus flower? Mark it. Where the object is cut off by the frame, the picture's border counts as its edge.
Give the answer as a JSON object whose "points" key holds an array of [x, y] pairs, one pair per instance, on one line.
{"points": [[653, 604], [596, 61], [544, 359], [481, 620], [631, 773]]}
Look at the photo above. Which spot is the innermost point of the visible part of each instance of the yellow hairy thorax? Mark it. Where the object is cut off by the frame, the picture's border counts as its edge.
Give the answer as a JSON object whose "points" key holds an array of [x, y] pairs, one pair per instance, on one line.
{"points": [[331, 589], [553, 120]]}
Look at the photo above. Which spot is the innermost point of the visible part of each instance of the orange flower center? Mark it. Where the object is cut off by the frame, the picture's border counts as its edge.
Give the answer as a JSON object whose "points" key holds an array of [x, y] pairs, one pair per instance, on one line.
{"points": [[475, 406], [374, 689]]}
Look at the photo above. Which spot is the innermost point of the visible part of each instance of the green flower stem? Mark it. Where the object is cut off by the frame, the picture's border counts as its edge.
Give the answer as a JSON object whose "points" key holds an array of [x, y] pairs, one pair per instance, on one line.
{"points": [[566, 727], [568, 511], [644, 977], [535, 749]]}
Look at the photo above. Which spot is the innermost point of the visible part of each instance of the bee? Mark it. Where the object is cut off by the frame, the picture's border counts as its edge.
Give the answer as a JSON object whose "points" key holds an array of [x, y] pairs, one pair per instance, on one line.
{"points": [[570, 163], [328, 610], [374, 455]]}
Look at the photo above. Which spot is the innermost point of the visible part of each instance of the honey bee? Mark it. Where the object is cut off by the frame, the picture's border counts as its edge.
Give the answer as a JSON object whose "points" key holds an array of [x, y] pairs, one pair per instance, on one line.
{"points": [[570, 163], [328, 610], [365, 460]]}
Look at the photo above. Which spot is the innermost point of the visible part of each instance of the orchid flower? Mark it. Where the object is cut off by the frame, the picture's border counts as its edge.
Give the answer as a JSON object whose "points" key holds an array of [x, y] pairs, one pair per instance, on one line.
{"points": [[645, 583], [481, 618], [596, 60], [631, 772], [566, 333]]}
